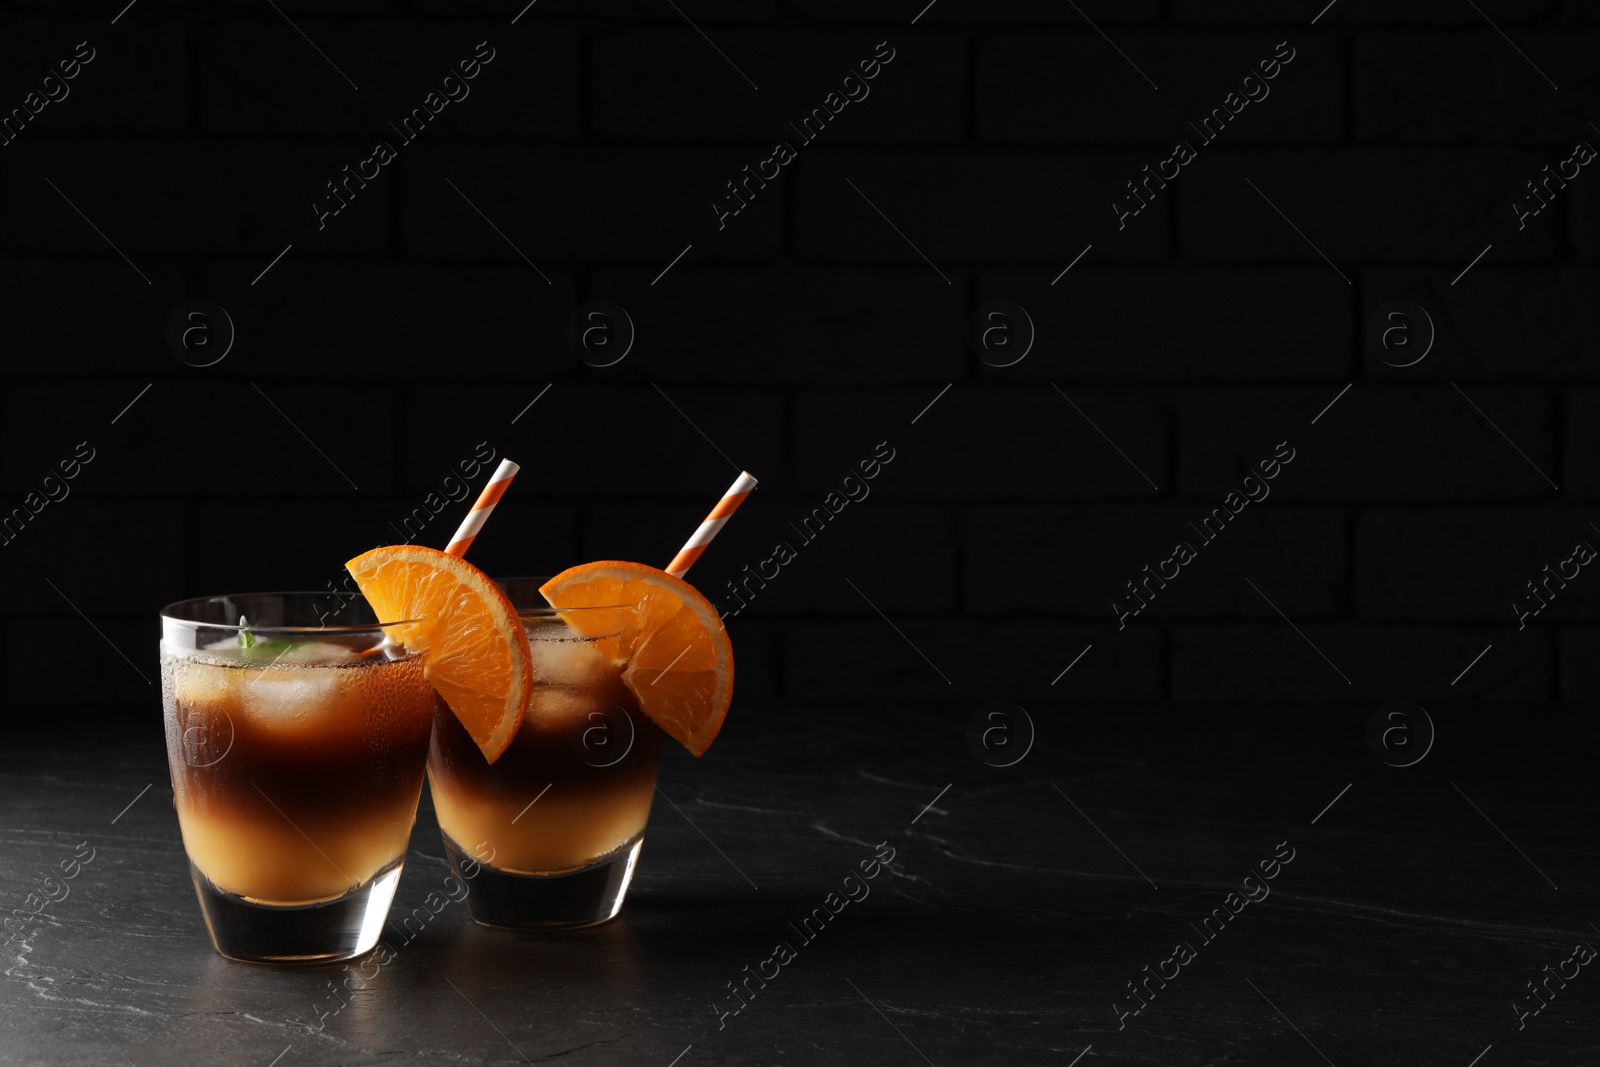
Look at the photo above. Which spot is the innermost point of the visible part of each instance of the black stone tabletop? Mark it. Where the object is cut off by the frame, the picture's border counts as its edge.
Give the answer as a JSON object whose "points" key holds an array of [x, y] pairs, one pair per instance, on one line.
{"points": [[1138, 887]]}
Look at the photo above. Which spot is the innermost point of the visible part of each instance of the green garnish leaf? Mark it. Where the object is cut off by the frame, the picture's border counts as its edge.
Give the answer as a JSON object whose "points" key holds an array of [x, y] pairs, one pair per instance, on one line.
{"points": [[268, 652], [246, 638]]}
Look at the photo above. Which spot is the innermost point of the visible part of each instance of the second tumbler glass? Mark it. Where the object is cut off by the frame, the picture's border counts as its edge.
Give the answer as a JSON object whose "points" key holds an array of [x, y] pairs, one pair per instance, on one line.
{"points": [[549, 833]]}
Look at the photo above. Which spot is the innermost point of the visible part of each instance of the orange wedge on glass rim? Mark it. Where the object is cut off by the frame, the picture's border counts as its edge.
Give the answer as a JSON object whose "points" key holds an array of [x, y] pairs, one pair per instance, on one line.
{"points": [[476, 651], [679, 659]]}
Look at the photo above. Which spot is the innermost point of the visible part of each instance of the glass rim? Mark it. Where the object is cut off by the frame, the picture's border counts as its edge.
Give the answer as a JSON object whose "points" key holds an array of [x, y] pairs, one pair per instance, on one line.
{"points": [[174, 612], [546, 610]]}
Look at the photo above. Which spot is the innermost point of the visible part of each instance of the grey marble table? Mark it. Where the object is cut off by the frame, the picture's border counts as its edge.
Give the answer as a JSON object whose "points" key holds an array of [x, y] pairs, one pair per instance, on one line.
{"points": [[1031, 914]]}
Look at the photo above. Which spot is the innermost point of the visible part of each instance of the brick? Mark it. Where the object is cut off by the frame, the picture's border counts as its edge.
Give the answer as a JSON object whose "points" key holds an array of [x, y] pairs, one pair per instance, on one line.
{"points": [[529, 88], [1006, 660], [755, 675], [1000, 206], [1471, 563], [318, 319], [1382, 661], [66, 663], [1354, 204], [1374, 444], [601, 441], [268, 548], [657, 84], [314, 7], [982, 444], [920, 96], [254, 452], [454, 447], [1422, 87], [1074, 561], [893, 12], [65, 544], [1580, 663], [1582, 473], [235, 547], [182, 197], [1359, 11], [1167, 323], [1032, 89], [652, 531], [58, 6], [913, 549], [668, 84], [916, 544], [1580, 212], [538, 19], [137, 80], [1498, 322], [83, 313], [792, 325], [533, 537], [49, 426], [616, 203]]}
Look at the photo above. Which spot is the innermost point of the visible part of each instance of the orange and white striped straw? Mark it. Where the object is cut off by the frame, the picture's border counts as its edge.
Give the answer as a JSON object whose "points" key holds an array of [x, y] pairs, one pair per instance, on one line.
{"points": [[487, 499], [719, 515]]}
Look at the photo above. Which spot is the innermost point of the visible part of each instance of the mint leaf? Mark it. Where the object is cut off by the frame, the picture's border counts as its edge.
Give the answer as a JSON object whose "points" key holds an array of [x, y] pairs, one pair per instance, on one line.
{"points": [[246, 638], [268, 652]]}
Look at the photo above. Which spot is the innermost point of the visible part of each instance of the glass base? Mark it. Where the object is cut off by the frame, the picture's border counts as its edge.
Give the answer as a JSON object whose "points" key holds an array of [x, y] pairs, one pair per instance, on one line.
{"points": [[566, 900], [297, 935]]}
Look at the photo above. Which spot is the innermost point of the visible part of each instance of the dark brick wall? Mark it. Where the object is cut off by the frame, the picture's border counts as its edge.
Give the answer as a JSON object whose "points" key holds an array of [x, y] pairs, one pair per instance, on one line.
{"points": [[825, 318]]}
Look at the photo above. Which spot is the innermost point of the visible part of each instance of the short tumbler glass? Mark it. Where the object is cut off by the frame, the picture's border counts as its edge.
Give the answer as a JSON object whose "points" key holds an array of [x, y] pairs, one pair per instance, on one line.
{"points": [[551, 831], [297, 744]]}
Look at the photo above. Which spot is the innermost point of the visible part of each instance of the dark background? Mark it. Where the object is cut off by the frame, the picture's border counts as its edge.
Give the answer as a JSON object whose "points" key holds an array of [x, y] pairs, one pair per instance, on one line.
{"points": [[373, 356], [808, 330]]}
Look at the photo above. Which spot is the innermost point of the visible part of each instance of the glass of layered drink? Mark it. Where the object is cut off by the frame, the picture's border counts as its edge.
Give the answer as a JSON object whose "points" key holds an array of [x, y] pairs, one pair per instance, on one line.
{"points": [[297, 744], [552, 829]]}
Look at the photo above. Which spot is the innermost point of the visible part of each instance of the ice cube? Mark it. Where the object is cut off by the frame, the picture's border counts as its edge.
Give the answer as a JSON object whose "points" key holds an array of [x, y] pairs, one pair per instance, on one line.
{"points": [[267, 651], [563, 658], [563, 706], [282, 696], [196, 683], [320, 652]]}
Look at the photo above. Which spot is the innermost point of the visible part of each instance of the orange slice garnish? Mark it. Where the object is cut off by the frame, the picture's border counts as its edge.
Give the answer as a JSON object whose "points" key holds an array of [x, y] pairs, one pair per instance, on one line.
{"points": [[679, 659], [468, 630]]}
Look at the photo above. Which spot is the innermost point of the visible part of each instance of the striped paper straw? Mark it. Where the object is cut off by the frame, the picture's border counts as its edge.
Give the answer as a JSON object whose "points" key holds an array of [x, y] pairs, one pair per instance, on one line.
{"points": [[480, 511], [702, 537]]}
